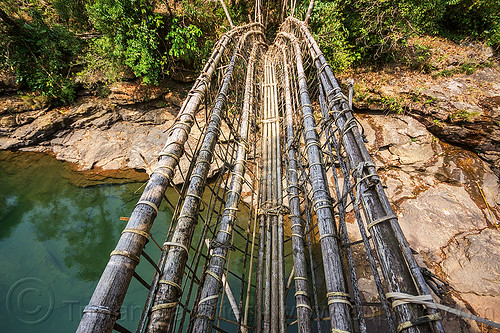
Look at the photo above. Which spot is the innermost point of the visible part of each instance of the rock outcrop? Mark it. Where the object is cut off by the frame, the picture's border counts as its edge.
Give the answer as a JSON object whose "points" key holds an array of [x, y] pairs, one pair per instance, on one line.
{"points": [[458, 101], [127, 130]]}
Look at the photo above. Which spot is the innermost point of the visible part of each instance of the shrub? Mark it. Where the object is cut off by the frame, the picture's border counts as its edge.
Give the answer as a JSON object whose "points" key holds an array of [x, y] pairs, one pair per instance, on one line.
{"points": [[129, 38], [41, 54]]}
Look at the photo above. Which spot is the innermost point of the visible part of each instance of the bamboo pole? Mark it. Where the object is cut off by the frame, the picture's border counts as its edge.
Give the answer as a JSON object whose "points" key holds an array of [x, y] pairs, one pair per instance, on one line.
{"points": [[278, 320], [302, 299], [275, 309], [103, 309], [267, 169], [309, 11], [249, 285], [279, 195], [227, 14], [337, 295], [262, 252], [206, 307], [169, 290], [227, 288], [341, 204], [400, 269]]}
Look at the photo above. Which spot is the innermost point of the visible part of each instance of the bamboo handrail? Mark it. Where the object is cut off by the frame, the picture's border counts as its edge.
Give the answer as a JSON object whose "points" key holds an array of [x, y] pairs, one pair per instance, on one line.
{"points": [[206, 307]]}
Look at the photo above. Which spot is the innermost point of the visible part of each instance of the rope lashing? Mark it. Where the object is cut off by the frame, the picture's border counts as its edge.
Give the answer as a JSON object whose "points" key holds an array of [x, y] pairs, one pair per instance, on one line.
{"points": [[426, 300], [125, 254], [149, 203], [300, 278], [167, 176], [214, 275], [182, 246], [102, 310], [171, 283], [208, 299], [136, 231], [304, 306], [164, 306], [380, 220], [419, 321], [301, 292], [174, 156], [334, 330], [338, 297]]}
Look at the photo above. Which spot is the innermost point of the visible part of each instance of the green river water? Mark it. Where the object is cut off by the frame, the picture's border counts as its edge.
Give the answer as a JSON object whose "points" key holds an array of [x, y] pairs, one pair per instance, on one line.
{"points": [[55, 238]]}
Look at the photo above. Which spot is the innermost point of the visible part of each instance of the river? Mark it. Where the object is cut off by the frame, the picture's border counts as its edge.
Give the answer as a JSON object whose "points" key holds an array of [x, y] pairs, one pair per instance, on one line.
{"points": [[54, 240]]}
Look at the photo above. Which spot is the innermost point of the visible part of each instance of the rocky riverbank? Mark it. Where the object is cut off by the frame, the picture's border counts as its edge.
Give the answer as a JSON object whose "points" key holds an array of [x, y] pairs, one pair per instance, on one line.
{"points": [[455, 94], [448, 202], [121, 133]]}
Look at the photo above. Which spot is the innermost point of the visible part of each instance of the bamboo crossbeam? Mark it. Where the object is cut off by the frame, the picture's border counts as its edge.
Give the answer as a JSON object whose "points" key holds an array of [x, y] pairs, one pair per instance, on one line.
{"points": [[206, 307], [399, 267], [337, 295]]}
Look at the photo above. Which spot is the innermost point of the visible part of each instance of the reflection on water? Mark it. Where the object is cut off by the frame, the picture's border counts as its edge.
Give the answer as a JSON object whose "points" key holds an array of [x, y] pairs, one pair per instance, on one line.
{"points": [[52, 238]]}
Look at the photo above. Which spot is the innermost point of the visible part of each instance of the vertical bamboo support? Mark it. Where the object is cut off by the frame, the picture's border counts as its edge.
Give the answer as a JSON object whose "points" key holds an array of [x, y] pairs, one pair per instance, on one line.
{"points": [[338, 303], [169, 290], [272, 212], [266, 205], [400, 269], [261, 316], [309, 11], [206, 307], [279, 197], [227, 14], [274, 302], [302, 299], [277, 202]]}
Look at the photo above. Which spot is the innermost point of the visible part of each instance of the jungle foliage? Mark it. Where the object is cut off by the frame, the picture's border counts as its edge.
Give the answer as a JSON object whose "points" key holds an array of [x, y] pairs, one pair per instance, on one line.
{"points": [[354, 31], [53, 45]]}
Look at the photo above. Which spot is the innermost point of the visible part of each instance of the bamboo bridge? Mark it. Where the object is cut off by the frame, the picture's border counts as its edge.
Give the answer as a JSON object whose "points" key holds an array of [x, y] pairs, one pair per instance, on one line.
{"points": [[277, 122]]}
